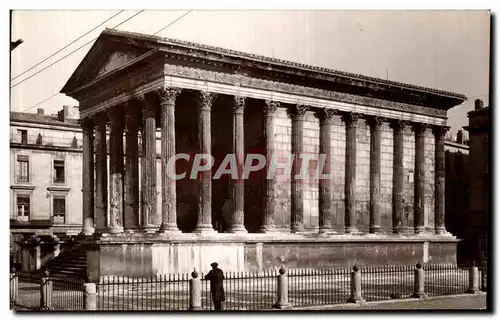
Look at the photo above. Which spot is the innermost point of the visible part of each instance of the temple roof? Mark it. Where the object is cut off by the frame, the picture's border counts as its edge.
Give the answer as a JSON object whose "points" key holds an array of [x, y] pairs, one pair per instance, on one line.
{"points": [[147, 42], [42, 119]]}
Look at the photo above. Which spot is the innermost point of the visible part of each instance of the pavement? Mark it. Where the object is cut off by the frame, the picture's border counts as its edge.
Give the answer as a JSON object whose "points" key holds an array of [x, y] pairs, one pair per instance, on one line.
{"points": [[457, 302]]}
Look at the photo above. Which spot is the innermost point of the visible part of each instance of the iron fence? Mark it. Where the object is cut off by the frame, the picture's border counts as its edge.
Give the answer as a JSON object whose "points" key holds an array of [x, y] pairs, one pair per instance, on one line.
{"points": [[445, 279], [28, 291], [309, 287], [67, 293], [252, 290], [163, 292]]}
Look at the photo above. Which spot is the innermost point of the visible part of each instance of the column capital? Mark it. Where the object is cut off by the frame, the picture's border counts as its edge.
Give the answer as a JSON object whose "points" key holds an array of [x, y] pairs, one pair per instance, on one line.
{"points": [[298, 111], [419, 128], [239, 104], [270, 107], [350, 118], [440, 131], [168, 95], [114, 114], [398, 125], [375, 122], [326, 115], [206, 99]]}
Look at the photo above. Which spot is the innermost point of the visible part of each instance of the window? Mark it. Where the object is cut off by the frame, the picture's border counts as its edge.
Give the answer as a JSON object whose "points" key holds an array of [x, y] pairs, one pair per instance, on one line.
{"points": [[59, 171], [23, 171], [59, 209], [23, 207], [24, 136]]}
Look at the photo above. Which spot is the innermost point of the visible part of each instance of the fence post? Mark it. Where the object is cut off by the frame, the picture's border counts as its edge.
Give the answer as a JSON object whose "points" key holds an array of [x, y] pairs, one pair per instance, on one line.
{"points": [[46, 292], [195, 292], [419, 282], [282, 302], [14, 280], [473, 279], [90, 295], [356, 286]]}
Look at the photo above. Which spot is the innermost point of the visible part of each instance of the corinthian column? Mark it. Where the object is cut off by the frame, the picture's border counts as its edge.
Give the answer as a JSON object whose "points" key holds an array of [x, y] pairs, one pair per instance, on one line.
{"points": [[297, 183], [88, 177], [238, 192], [168, 188], [375, 155], [115, 223], [351, 121], [205, 185], [419, 186], [269, 184], [149, 194], [439, 174], [101, 172], [325, 184], [398, 177], [131, 182]]}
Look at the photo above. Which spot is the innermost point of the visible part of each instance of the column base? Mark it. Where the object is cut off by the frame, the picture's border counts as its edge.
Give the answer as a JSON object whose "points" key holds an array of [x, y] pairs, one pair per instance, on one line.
{"points": [[238, 229], [115, 230], [375, 229], [297, 229], [352, 230], [168, 231], [149, 229], [268, 229], [421, 230], [440, 230], [205, 229], [169, 228], [326, 230], [131, 230], [87, 232]]}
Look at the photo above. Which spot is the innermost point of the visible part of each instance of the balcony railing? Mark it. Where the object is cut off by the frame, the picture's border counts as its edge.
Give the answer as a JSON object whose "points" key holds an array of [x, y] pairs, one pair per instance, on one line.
{"points": [[47, 140]]}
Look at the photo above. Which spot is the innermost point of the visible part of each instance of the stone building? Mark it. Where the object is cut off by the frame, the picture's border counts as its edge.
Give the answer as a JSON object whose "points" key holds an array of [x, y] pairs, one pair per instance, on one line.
{"points": [[477, 233], [383, 142], [45, 175]]}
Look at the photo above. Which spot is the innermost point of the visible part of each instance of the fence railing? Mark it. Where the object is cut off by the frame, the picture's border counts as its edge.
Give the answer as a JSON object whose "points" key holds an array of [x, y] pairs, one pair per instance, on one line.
{"points": [[257, 290]]}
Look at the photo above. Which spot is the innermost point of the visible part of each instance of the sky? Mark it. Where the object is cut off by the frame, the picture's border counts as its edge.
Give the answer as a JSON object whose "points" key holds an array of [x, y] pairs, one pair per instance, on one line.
{"points": [[447, 50]]}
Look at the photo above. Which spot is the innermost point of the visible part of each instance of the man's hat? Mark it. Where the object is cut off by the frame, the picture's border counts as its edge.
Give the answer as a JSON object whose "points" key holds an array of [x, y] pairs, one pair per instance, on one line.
{"points": [[214, 264]]}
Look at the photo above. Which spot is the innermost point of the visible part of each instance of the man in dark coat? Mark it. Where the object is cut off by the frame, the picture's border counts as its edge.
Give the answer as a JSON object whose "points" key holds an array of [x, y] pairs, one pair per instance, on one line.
{"points": [[216, 276]]}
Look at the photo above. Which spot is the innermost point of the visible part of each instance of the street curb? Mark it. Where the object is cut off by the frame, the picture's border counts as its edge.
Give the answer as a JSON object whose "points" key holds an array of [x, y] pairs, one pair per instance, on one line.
{"points": [[391, 301]]}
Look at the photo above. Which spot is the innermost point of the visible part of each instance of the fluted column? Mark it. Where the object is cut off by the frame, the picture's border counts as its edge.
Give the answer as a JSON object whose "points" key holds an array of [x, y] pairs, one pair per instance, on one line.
{"points": [[88, 177], [297, 183], [238, 192], [267, 225], [101, 172], [439, 176], [419, 186], [131, 182], [148, 172], [351, 121], [375, 157], [325, 184], [168, 188], [398, 177], [115, 223], [204, 224]]}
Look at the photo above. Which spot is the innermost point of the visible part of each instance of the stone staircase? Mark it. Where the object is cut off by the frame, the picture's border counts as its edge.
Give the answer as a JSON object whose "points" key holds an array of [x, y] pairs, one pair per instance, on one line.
{"points": [[71, 262]]}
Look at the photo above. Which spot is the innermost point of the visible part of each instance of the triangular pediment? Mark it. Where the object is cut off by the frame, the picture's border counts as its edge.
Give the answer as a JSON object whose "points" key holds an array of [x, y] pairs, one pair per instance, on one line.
{"points": [[114, 61]]}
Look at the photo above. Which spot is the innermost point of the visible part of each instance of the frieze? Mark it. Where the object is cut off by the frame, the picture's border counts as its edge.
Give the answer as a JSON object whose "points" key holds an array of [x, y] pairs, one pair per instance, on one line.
{"points": [[242, 80]]}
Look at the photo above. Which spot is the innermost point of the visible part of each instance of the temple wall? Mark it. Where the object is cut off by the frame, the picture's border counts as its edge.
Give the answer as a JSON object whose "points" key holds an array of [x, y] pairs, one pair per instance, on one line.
{"points": [[386, 167], [409, 175], [363, 176], [429, 180], [338, 171]]}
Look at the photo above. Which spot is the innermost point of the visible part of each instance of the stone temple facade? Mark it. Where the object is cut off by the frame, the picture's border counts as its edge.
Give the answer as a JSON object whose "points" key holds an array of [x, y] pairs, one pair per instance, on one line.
{"points": [[382, 142]]}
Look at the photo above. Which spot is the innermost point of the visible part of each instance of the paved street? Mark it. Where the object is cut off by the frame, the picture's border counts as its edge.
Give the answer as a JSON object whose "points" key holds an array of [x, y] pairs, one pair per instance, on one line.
{"points": [[458, 302]]}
